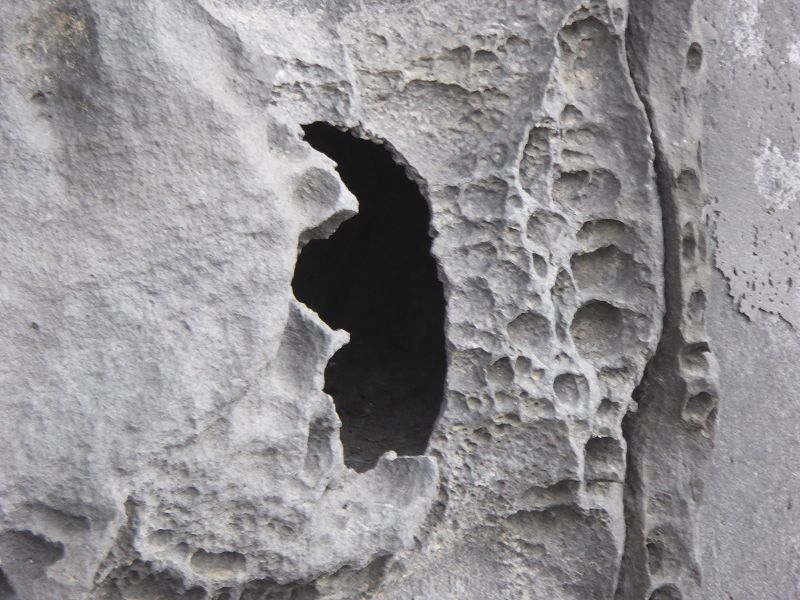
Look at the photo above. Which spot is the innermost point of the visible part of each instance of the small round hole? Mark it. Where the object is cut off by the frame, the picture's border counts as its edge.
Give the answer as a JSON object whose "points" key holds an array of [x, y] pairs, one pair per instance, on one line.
{"points": [[694, 57]]}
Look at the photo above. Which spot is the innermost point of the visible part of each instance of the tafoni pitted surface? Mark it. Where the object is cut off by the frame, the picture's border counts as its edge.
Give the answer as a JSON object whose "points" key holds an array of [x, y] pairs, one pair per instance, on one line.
{"points": [[176, 249]]}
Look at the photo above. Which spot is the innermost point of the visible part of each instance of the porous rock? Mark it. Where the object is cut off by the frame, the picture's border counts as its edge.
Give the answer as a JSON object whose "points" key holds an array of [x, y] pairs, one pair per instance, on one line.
{"points": [[170, 425]]}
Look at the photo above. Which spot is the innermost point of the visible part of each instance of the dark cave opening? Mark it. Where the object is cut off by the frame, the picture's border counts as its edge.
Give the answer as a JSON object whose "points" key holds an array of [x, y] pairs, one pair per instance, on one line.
{"points": [[375, 277]]}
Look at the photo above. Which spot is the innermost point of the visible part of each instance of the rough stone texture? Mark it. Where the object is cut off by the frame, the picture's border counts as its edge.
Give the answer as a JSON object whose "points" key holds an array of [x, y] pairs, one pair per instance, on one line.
{"points": [[165, 431], [670, 435]]}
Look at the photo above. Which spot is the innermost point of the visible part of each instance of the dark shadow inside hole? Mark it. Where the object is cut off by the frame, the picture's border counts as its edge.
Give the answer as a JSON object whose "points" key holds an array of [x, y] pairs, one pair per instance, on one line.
{"points": [[375, 278], [6, 591]]}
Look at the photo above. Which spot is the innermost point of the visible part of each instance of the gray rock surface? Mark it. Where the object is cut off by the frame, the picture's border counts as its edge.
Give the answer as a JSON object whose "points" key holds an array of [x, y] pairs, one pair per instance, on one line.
{"points": [[750, 528], [167, 431]]}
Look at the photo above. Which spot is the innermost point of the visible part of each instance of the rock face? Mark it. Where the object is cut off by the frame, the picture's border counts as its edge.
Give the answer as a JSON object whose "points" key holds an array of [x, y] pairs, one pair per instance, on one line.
{"points": [[397, 300], [751, 159]]}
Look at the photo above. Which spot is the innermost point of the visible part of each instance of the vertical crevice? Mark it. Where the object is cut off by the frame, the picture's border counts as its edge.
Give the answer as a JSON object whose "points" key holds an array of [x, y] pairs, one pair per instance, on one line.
{"points": [[660, 375], [670, 435], [375, 278]]}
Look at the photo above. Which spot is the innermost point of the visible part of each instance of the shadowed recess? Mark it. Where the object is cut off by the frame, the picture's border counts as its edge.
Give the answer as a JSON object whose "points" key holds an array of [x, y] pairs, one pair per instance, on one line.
{"points": [[375, 278], [6, 591]]}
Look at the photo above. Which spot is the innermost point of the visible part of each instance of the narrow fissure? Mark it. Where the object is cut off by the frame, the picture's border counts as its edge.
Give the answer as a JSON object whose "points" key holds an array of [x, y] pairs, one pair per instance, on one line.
{"points": [[633, 581], [375, 277]]}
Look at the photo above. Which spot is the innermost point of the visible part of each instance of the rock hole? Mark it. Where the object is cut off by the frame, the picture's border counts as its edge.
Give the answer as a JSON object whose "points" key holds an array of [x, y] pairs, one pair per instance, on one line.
{"points": [[562, 493], [218, 564], [161, 539], [694, 57], [539, 265], [500, 374], [375, 277], [26, 555], [195, 593], [485, 58], [666, 554], [697, 305], [698, 409], [605, 460], [606, 271], [688, 188], [607, 408], [693, 358], [571, 116], [598, 330], [666, 592], [606, 232], [530, 333], [597, 190], [572, 390], [544, 228], [655, 556]]}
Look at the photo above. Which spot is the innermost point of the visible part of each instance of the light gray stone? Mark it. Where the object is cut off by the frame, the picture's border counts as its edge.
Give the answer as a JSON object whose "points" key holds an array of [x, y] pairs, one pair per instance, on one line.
{"points": [[167, 430], [750, 531]]}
